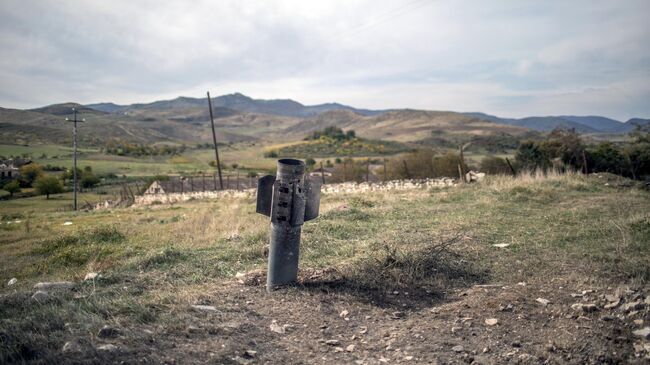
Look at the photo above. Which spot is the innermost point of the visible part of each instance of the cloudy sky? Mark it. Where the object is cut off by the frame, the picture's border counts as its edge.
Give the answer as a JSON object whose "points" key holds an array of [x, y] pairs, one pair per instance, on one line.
{"points": [[510, 58]]}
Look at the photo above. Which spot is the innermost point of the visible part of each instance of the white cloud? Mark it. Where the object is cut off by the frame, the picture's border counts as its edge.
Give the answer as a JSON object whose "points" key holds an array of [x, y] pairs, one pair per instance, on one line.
{"points": [[498, 57]]}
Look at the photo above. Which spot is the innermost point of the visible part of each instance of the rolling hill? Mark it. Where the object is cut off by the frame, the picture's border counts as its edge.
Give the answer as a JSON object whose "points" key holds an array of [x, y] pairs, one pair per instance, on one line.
{"points": [[582, 124]]}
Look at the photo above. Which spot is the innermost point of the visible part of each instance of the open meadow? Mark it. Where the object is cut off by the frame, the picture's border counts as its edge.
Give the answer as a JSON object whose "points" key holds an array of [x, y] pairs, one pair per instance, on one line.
{"points": [[531, 269]]}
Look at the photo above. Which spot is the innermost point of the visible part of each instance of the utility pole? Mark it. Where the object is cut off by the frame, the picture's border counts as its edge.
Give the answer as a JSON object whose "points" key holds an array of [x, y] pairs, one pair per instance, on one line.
{"points": [[74, 155], [214, 140]]}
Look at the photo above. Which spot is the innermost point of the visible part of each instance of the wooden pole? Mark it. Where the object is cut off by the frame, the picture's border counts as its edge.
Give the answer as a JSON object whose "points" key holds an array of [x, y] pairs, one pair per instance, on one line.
{"points": [[462, 163], [237, 179], [461, 176], [214, 176], [322, 172], [368, 170], [385, 172], [214, 140], [514, 173], [585, 168], [406, 169]]}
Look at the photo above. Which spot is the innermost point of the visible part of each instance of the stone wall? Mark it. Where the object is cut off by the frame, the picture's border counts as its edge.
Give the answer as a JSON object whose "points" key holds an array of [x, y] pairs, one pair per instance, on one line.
{"points": [[342, 188]]}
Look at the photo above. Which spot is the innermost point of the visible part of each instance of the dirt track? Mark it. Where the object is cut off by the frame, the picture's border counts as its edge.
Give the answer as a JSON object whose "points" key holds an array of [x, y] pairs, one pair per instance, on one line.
{"points": [[322, 321]]}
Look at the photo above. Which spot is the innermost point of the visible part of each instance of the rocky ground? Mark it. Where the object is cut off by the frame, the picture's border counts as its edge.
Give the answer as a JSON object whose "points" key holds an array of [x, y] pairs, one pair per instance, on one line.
{"points": [[324, 321]]}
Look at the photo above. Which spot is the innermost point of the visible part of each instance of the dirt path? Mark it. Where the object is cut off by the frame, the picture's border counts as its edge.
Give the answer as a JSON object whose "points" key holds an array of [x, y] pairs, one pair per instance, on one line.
{"points": [[322, 323]]}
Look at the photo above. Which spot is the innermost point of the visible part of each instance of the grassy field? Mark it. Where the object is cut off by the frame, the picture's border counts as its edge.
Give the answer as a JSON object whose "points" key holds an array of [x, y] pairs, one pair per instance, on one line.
{"points": [[571, 232]]}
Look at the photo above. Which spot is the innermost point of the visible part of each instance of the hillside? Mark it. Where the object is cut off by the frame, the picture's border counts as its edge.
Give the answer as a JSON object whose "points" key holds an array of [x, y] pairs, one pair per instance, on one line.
{"points": [[582, 124], [523, 270]]}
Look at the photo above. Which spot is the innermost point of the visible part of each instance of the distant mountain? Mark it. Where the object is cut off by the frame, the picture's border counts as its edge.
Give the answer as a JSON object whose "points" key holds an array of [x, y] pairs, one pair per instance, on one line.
{"points": [[107, 107], [65, 109], [236, 101], [638, 121], [582, 124]]}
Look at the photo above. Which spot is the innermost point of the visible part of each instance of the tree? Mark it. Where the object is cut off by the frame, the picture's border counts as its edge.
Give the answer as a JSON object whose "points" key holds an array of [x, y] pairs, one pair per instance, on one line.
{"points": [[29, 173], [88, 179], [12, 187], [310, 162], [47, 185], [495, 165], [531, 156]]}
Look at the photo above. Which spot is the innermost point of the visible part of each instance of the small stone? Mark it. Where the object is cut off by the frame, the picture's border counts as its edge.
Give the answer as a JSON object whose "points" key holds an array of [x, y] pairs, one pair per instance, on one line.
{"points": [[643, 333], [408, 358], [501, 245], [344, 314], [491, 321], [632, 306], [108, 332], [68, 223], [12, 281], [521, 283], [91, 276], [332, 342], [338, 349], [543, 301], [193, 329], [350, 348], [249, 354], [397, 314], [208, 308], [363, 330], [58, 285], [638, 322], [277, 328], [458, 348], [108, 348], [41, 296], [71, 346]]}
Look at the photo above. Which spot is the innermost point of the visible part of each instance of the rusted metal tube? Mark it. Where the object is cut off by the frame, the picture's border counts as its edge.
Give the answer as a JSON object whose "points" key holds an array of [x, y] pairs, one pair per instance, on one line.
{"points": [[289, 199]]}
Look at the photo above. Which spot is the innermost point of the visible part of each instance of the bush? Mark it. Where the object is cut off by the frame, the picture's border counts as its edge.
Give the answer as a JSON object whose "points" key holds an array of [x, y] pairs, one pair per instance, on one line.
{"points": [[424, 164], [29, 174], [495, 165], [46, 185], [88, 179], [12, 187]]}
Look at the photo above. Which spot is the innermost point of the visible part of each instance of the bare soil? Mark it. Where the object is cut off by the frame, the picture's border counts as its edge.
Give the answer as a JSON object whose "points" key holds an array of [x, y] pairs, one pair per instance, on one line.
{"points": [[323, 320]]}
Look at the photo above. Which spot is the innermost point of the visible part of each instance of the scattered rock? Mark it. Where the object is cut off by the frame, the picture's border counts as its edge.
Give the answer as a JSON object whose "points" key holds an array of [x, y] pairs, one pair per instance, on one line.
{"points": [[521, 283], [108, 348], [57, 285], [332, 342], [397, 315], [70, 347], [458, 348], [643, 333], [344, 314], [338, 349], [68, 223], [108, 332], [363, 330], [91, 276], [408, 358], [12, 281], [350, 348], [587, 308], [491, 321], [543, 301], [249, 354], [277, 328], [501, 245], [41, 296], [632, 306], [208, 308]]}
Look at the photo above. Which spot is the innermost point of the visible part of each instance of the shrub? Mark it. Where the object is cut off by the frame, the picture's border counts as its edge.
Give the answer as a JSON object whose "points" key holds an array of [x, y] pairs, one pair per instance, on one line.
{"points": [[495, 165], [46, 185], [12, 187], [29, 173]]}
